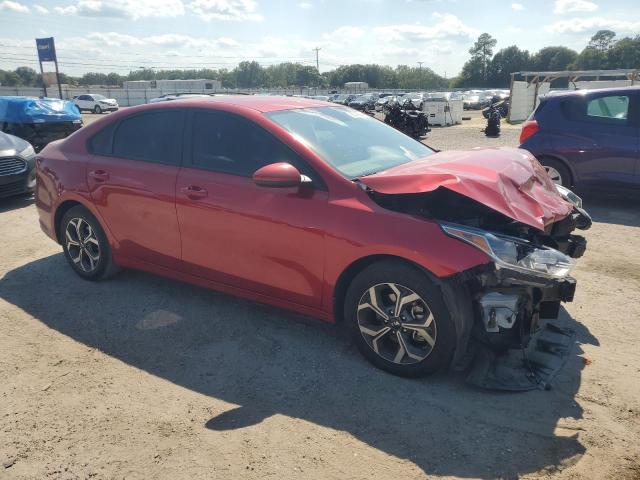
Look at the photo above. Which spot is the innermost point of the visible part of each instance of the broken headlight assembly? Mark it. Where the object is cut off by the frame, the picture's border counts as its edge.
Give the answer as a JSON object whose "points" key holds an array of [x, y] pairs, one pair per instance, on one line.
{"points": [[514, 253]]}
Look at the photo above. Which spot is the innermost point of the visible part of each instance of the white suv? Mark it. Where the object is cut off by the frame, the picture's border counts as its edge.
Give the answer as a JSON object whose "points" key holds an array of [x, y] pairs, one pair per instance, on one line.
{"points": [[95, 102]]}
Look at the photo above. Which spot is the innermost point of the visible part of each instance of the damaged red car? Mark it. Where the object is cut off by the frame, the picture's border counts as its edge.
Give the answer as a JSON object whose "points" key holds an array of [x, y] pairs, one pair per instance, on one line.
{"points": [[432, 259]]}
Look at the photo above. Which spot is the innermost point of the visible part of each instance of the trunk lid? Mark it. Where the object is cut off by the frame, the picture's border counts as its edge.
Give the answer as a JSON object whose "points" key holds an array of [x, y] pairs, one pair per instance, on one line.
{"points": [[507, 180]]}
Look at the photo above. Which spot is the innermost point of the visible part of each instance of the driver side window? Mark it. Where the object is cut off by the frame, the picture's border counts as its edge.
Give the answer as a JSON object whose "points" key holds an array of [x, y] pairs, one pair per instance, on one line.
{"points": [[227, 143]]}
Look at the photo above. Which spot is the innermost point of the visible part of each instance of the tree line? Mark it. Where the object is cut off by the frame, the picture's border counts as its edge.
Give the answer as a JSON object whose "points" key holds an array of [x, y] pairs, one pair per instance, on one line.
{"points": [[253, 75], [603, 52], [483, 69]]}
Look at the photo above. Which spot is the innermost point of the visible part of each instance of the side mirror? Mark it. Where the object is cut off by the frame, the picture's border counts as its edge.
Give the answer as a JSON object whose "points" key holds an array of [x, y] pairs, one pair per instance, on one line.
{"points": [[280, 174]]}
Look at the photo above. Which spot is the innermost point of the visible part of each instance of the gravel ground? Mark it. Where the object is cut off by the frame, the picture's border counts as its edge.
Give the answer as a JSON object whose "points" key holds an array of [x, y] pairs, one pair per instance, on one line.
{"points": [[144, 377]]}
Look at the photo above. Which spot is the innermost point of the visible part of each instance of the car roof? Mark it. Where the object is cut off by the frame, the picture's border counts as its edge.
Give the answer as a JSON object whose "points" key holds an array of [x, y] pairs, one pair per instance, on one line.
{"points": [[595, 91], [259, 103]]}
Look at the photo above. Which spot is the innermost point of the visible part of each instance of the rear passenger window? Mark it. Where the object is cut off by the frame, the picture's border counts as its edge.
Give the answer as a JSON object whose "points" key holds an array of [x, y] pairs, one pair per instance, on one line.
{"points": [[614, 107], [226, 143], [102, 142], [151, 137]]}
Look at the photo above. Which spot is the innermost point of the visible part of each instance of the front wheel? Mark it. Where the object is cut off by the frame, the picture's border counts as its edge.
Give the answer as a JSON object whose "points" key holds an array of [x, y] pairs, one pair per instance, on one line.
{"points": [[97, 109], [85, 245], [399, 320]]}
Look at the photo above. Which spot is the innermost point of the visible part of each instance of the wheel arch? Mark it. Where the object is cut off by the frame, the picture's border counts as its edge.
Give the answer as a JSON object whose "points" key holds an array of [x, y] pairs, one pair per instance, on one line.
{"points": [[565, 164], [68, 204], [357, 266]]}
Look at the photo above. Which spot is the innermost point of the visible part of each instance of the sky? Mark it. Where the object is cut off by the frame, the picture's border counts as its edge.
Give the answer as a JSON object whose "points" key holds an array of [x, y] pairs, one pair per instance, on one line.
{"points": [[124, 35]]}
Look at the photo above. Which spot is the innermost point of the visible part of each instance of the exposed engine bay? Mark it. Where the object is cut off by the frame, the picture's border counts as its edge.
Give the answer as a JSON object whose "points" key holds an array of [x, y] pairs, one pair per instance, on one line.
{"points": [[508, 339]]}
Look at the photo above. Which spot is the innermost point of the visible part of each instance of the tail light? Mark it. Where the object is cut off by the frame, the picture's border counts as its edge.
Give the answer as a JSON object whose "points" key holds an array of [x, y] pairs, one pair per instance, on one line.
{"points": [[529, 128]]}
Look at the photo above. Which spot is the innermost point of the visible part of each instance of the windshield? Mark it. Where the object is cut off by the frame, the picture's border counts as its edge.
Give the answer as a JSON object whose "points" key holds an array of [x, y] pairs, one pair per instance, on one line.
{"points": [[353, 143], [97, 96]]}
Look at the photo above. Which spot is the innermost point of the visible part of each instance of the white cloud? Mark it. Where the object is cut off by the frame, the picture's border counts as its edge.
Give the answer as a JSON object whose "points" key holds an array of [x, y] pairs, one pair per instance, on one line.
{"points": [[571, 6], [124, 8], [578, 25], [40, 9], [344, 33], [517, 7], [305, 5], [14, 7], [68, 10], [113, 39], [230, 10], [444, 26], [172, 40]]}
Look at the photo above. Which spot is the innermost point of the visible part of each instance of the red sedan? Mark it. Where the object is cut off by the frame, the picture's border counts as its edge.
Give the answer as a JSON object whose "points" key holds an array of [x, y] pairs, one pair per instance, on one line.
{"points": [[430, 258]]}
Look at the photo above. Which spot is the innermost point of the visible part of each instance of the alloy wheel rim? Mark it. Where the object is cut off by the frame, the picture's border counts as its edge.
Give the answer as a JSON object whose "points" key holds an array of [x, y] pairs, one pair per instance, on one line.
{"points": [[82, 244], [554, 174], [396, 323]]}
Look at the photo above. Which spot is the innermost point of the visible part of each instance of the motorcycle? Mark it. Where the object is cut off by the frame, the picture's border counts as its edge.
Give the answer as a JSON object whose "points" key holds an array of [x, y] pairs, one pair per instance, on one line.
{"points": [[493, 122], [406, 118]]}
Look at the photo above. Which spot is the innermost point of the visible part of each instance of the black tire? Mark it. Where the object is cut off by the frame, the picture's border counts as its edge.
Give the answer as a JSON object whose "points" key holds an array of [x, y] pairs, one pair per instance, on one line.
{"points": [[411, 278], [97, 109], [92, 269], [560, 168]]}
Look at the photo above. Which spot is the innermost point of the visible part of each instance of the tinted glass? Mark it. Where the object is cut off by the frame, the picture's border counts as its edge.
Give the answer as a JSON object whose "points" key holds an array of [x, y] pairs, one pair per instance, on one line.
{"points": [[102, 142], [615, 107], [152, 137], [353, 143], [227, 143]]}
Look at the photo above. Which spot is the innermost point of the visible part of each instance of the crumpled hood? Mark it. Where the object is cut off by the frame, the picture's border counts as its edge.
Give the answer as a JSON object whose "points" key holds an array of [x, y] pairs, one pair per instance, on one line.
{"points": [[507, 180]]}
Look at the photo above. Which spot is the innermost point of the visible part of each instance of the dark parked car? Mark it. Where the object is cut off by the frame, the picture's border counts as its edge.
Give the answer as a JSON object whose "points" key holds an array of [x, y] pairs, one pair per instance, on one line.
{"points": [[365, 102], [345, 99], [38, 120], [587, 138], [328, 212], [17, 166]]}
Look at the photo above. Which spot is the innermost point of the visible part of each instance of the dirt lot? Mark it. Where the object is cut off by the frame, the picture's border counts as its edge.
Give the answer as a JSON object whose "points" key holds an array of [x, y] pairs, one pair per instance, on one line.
{"points": [[143, 377]]}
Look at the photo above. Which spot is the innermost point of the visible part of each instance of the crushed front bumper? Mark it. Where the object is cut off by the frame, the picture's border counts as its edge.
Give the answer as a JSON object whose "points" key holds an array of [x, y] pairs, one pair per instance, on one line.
{"points": [[510, 337]]}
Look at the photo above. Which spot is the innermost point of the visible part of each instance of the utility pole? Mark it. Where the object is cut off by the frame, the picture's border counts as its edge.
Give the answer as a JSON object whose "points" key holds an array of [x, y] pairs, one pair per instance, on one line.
{"points": [[317, 49], [420, 75]]}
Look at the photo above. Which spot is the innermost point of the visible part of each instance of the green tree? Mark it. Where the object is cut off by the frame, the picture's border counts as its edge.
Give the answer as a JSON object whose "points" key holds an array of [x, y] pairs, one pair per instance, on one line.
{"points": [[553, 59], [625, 53], [475, 71], [603, 40], [591, 59], [28, 76], [504, 63]]}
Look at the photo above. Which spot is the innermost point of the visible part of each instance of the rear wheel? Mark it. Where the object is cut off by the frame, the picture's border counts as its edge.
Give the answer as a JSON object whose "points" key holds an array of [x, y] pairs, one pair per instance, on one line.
{"points": [[399, 320], [558, 172], [85, 245]]}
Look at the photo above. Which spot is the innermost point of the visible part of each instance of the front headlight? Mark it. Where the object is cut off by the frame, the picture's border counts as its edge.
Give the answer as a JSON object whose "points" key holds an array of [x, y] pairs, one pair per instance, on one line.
{"points": [[27, 153], [569, 196], [514, 253]]}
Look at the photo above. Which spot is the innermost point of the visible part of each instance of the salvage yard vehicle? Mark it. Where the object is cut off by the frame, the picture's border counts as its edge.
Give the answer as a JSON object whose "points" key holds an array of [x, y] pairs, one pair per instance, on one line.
{"points": [[38, 120], [587, 138], [96, 103], [17, 166], [365, 102], [431, 259], [406, 117]]}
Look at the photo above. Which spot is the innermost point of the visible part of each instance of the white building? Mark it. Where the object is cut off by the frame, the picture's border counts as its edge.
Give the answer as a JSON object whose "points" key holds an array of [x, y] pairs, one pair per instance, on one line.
{"points": [[185, 86]]}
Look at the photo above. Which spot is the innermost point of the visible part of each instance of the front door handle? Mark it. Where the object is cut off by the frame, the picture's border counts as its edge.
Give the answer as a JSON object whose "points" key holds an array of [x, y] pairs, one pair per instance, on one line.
{"points": [[194, 192], [99, 176]]}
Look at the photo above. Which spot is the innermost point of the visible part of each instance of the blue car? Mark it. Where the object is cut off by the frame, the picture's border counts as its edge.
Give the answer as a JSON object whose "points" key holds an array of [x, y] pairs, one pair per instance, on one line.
{"points": [[587, 138], [38, 120]]}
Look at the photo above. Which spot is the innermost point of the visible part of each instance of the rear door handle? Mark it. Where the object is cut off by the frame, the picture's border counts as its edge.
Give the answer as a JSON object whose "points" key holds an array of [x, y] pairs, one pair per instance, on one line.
{"points": [[99, 175], [194, 192]]}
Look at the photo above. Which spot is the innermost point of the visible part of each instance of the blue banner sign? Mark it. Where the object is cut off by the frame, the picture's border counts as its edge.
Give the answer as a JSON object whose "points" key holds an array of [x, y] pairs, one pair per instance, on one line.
{"points": [[46, 49]]}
